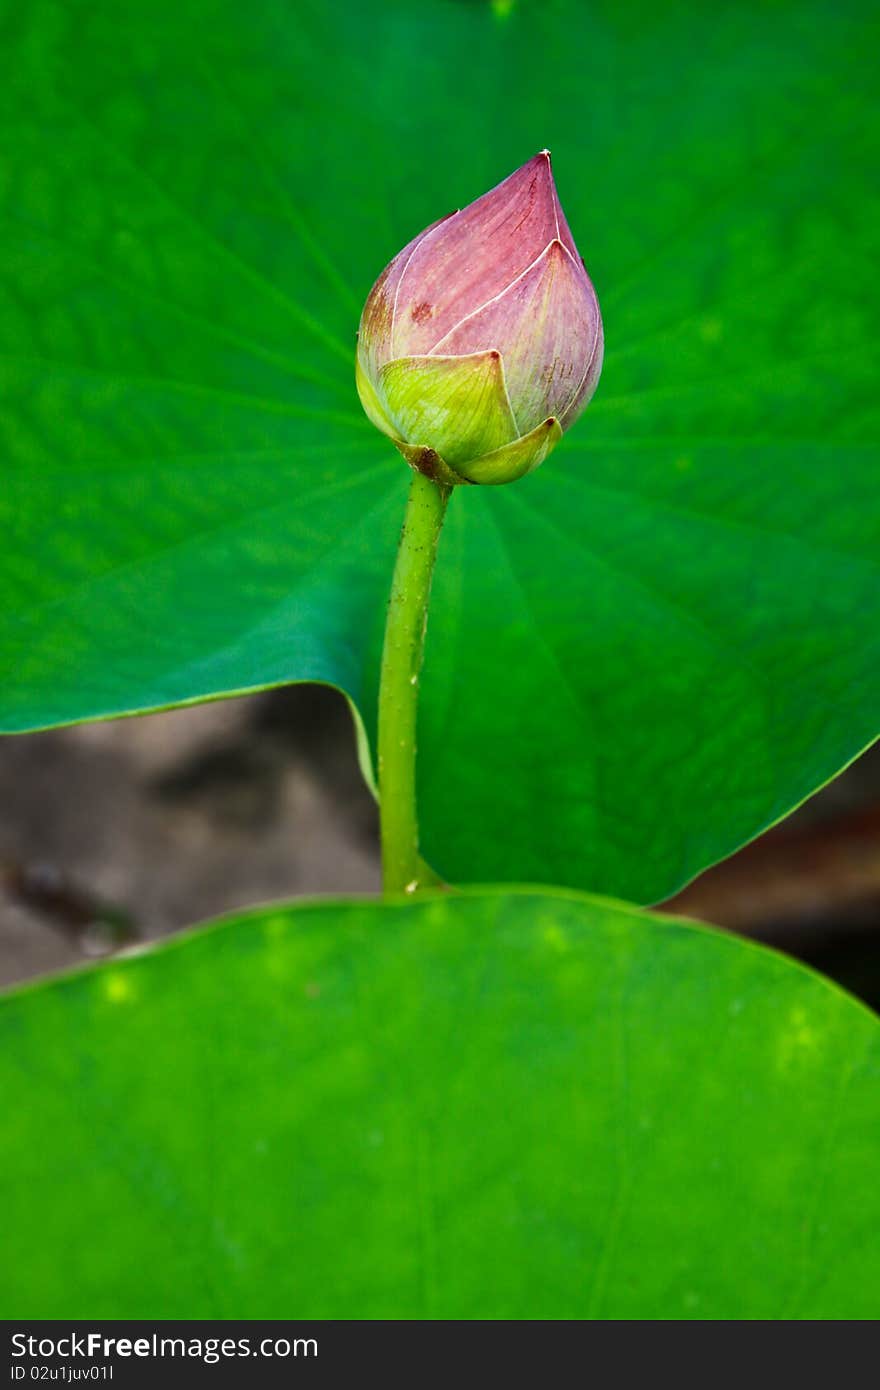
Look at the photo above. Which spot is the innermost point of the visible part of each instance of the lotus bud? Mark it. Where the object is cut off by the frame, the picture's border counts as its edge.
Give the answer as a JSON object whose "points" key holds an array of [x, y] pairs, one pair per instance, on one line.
{"points": [[482, 341]]}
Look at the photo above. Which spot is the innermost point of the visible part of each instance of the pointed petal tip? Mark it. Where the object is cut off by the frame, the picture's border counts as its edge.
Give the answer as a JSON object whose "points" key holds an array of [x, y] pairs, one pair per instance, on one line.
{"points": [[542, 165], [542, 160], [557, 252]]}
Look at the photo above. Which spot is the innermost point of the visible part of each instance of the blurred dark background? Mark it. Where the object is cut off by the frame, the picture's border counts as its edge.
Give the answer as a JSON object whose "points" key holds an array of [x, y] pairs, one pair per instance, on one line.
{"points": [[117, 833]]}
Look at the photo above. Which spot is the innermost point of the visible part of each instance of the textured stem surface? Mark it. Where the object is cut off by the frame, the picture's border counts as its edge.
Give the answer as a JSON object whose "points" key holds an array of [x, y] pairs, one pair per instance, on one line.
{"points": [[402, 870]]}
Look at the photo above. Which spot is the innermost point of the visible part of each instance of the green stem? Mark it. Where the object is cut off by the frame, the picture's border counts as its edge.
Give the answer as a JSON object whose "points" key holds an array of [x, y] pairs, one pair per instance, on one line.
{"points": [[402, 868]]}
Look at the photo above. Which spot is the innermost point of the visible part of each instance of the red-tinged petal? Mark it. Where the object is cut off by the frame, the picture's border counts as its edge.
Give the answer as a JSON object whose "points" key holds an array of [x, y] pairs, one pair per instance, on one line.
{"points": [[475, 255], [562, 229], [584, 393], [484, 328], [374, 336], [545, 325]]}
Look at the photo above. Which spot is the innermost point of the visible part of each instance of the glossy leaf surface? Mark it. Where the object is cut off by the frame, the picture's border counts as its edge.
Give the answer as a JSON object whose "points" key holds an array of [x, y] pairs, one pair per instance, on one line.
{"points": [[638, 657], [492, 1106]]}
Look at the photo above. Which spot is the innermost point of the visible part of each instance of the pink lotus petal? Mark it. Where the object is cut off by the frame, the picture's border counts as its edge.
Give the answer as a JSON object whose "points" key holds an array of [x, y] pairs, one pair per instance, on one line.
{"points": [[502, 281], [590, 380], [374, 339], [545, 325], [475, 255]]}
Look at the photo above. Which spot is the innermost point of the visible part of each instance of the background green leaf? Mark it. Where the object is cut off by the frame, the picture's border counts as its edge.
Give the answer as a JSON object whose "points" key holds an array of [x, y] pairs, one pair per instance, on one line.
{"points": [[490, 1106], [656, 645]]}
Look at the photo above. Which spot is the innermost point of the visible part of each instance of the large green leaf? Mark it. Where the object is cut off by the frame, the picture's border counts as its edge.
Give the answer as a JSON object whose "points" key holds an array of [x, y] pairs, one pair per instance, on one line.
{"points": [[656, 645], [490, 1106]]}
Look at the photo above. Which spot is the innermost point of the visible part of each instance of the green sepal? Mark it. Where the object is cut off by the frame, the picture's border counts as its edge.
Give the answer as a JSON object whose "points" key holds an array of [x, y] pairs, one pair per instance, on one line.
{"points": [[373, 407], [516, 459], [455, 406]]}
